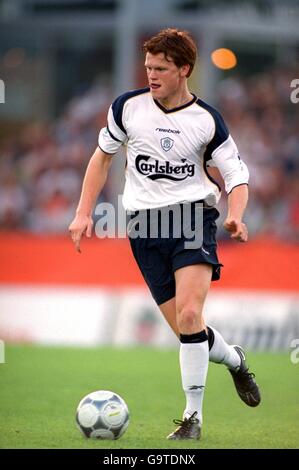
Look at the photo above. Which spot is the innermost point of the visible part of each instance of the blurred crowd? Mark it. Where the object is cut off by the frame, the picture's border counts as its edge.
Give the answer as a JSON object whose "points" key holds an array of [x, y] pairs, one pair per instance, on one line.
{"points": [[265, 125], [41, 169]]}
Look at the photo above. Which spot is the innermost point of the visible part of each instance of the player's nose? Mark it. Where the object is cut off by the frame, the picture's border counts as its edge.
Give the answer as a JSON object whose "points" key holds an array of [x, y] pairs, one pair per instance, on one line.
{"points": [[152, 75]]}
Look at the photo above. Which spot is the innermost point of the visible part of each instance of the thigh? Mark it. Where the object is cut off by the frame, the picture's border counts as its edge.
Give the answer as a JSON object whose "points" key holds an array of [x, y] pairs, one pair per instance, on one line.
{"points": [[192, 286], [188, 291]]}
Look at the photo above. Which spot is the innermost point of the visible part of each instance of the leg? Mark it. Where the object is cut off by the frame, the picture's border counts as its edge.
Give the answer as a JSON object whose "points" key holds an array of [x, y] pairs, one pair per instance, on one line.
{"points": [[169, 313], [192, 285], [221, 352]]}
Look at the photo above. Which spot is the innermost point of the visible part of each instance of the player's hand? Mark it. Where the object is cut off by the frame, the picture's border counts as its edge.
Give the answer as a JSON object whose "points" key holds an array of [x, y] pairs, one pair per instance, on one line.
{"points": [[82, 224], [237, 229]]}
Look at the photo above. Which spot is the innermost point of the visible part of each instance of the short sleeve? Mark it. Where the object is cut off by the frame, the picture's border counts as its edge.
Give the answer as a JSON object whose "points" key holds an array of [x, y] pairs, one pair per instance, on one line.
{"points": [[232, 168], [111, 137]]}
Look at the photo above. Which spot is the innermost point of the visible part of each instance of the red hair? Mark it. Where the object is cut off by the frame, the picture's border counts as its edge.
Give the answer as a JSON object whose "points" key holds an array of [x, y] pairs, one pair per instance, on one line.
{"points": [[174, 44]]}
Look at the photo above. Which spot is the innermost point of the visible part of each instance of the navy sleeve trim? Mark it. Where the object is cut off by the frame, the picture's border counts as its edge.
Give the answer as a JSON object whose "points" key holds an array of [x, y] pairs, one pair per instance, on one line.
{"points": [[241, 184], [118, 105], [106, 152], [112, 136], [208, 174], [220, 136], [221, 131]]}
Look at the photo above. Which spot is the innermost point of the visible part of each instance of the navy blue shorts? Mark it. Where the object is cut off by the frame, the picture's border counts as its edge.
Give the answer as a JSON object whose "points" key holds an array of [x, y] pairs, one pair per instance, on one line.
{"points": [[158, 258]]}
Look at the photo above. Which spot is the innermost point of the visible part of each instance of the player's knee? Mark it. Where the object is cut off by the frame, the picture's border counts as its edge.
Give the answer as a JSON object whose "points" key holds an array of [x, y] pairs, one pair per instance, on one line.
{"points": [[187, 318]]}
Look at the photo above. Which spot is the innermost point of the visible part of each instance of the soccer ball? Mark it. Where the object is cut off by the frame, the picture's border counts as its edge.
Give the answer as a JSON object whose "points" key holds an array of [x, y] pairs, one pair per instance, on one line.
{"points": [[102, 415]]}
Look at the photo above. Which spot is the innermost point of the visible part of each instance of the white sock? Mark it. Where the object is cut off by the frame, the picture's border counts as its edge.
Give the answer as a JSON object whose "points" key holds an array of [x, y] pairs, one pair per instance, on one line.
{"points": [[194, 361], [223, 353]]}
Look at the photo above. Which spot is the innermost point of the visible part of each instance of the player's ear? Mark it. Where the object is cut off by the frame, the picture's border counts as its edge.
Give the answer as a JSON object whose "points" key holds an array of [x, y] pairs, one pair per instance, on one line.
{"points": [[185, 70]]}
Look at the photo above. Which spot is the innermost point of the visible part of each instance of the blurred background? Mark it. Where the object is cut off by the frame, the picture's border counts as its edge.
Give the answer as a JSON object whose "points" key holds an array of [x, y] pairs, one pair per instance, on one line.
{"points": [[62, 62]]}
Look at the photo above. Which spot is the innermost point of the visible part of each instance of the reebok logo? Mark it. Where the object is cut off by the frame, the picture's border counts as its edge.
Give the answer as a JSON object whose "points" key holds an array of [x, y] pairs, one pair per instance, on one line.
{"points": [[154, 169], [171, 131], [196, 387]]}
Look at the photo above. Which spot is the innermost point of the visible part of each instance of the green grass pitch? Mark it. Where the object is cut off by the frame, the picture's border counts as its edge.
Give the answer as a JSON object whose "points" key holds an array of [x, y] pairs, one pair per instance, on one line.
{"points": [[40, 388]]}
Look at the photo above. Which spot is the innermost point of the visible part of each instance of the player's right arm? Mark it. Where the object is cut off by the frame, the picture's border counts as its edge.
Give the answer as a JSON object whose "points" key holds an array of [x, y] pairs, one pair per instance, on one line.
{"points": [[93, 183], [111, 138]]}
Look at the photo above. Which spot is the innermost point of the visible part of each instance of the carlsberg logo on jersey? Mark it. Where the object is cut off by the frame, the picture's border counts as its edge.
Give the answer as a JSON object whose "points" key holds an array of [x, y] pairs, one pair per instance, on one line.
{"points": [[154, 169]]}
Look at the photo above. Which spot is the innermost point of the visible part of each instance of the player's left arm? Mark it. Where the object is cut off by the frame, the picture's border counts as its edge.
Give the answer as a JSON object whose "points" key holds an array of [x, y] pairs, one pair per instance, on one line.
{"points": [[237, 202], [235, 175]]}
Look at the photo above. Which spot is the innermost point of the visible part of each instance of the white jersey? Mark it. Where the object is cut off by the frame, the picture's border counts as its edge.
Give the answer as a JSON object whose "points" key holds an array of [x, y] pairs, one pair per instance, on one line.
{"points": [[168, 151]]}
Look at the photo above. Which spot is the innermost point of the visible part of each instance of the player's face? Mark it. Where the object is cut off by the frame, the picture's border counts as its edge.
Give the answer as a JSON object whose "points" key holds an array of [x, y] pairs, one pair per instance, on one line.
{"points": [[164, 77]]}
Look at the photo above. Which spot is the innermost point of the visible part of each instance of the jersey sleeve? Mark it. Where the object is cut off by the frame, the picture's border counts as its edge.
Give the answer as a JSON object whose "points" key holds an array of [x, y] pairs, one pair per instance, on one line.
{"points": [[222, 152], [111, 137]]}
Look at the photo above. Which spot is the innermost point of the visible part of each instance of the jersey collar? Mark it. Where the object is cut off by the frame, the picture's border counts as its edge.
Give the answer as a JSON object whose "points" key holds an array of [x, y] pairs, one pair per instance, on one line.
{"points": [[178, 108]]}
